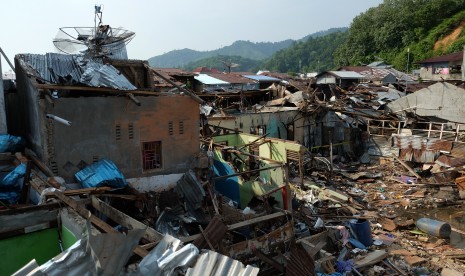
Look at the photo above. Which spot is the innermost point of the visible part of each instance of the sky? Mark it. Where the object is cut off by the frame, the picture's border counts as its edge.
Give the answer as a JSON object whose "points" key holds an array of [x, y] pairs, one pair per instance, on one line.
{"points": [[29, 26]]}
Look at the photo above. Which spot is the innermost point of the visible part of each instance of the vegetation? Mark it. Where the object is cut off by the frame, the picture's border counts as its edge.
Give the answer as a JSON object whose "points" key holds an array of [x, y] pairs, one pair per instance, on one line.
{"points": [[397, 31], [313, 55], [246, 49], [222, 62], [389, 30]]}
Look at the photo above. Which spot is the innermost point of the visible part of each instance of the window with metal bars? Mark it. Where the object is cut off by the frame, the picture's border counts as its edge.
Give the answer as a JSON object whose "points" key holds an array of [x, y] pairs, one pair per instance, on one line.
{"points": [[151, 155]]}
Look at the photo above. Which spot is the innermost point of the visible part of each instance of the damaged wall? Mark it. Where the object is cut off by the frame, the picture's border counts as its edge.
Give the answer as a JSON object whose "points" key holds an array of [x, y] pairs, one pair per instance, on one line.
{"points": [[273, 123], [442, 100], [111, 127], [121, 130]]}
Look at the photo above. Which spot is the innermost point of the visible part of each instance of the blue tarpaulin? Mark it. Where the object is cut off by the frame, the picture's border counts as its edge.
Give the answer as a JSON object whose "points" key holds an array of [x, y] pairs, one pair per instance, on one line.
{"points": [[10, 143], [101, 173], [10, 186]]}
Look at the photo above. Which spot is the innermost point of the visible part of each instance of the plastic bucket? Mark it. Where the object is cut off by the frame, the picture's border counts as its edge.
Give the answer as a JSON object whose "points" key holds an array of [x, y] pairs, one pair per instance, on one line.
{"points": [[362, 229], [434, 227]]}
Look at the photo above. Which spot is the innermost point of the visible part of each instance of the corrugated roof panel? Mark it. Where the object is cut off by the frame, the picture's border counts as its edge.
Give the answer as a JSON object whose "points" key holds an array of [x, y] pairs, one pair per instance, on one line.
{"points": [[261, 78], [206, 79], [75, 70], [347, 74], [212, 263]]}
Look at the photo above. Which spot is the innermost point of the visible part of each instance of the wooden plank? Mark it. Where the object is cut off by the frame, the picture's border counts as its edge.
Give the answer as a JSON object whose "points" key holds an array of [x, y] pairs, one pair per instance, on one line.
{"points": [[81, 210], [22, 220], [407, 167], [94, 89], [268, 260], [241, 224], [121, 218]]}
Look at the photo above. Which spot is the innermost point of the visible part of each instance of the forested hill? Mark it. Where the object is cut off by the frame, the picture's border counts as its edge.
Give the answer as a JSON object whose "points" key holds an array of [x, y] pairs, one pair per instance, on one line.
{"points": [[313, 55], [244, 49], [401, 30]]}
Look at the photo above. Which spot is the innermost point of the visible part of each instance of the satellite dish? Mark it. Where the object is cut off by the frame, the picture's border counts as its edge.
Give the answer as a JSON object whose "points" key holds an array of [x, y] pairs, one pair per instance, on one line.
{"points": [[229, 64], [98, 41]]}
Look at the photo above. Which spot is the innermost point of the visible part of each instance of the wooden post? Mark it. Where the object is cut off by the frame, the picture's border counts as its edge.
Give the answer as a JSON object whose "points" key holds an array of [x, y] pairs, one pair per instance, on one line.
{"points": [[27, 178], [330, 154], [457, 132], [429, 129], [442, 129]]}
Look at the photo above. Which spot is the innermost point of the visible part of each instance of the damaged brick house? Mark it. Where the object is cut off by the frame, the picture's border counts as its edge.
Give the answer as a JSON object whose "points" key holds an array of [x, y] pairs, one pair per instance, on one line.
{"points": [[74, 111]]}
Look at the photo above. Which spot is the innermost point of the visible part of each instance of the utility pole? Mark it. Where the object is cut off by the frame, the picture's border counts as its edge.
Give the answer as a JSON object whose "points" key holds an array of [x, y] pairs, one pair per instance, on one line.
{"points": [[3, 126], [406, 77]]}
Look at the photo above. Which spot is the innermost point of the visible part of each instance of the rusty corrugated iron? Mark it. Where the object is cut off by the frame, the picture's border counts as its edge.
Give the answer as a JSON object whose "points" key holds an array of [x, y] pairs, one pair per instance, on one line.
{"points": [[458, 149], [450, 161], [300, 262], [214, 233], [420, 149]]}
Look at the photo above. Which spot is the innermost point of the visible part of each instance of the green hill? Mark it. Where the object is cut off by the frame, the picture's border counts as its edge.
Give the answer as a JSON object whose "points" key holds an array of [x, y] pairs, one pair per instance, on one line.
{"points": [[389, 30], [244, 49]]}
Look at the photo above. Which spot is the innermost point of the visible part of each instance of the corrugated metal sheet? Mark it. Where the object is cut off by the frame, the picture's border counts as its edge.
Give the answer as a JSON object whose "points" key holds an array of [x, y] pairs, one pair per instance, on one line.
{"points": [[101, 173], [206, 79], [458, 149], [191, 190], [346, 74], [449, 161], [215, 264], [300, 262], [214, 233], [420, 149], [75, 70], [262, 78], [166, 257]]}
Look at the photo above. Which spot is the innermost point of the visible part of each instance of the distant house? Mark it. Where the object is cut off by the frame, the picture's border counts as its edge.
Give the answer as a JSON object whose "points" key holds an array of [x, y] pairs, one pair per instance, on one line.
{"points": [[222, 82], [264, 81], [380, 75], [446, 67], [340, 78]]}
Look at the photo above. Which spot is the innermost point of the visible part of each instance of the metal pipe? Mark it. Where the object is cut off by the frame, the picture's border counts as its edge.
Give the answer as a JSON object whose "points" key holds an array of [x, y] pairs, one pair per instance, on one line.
{"points": [[58, 119]]}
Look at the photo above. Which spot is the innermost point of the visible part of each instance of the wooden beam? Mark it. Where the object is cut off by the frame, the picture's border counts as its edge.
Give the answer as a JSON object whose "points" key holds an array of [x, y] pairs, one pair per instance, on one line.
{"points": [[407, 167], [121, 218], [81, 210], [246, 172], [241, 224], [268, 260], [95, 89]]}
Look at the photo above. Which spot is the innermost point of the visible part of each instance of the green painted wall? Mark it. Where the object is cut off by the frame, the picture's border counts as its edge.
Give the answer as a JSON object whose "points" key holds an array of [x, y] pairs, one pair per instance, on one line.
{"points": [[17, 251], [67, 238], [274, 178]]}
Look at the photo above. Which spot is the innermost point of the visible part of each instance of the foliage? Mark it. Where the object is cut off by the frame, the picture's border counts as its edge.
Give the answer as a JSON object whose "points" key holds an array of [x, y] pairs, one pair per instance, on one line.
{"points": [[315, 54], [245, 49], [387, 31], [220, 62]]}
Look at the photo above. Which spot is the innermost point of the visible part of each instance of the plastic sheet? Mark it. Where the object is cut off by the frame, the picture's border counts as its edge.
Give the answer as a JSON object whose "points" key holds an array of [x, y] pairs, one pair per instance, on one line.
{"points": [[10, 143], [102, 173]]}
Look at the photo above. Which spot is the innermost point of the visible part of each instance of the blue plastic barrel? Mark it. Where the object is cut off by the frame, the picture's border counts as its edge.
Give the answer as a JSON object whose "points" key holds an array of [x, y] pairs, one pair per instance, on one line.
{"points": [[434, 227], [362, 229]]}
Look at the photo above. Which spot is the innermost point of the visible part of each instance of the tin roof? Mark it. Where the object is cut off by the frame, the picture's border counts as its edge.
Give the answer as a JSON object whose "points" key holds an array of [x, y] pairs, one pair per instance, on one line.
{"points": [[75, 70], [207, 79], [231, 78], [344, 74], [262, 78], [458, 56]]}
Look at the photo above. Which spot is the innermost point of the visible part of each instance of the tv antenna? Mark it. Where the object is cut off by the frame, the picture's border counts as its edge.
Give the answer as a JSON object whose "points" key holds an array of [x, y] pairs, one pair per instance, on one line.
{"points": [[98, 41]]}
